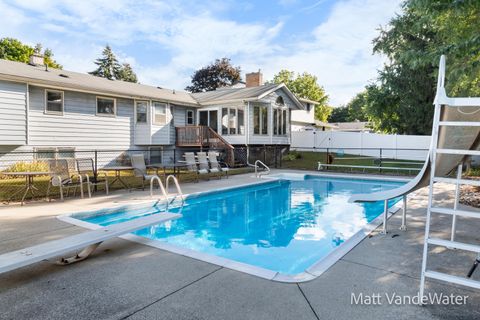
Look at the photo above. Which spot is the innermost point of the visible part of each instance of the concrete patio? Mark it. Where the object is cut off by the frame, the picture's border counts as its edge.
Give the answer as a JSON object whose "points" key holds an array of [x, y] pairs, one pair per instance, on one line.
{"points": [[126, 280]]}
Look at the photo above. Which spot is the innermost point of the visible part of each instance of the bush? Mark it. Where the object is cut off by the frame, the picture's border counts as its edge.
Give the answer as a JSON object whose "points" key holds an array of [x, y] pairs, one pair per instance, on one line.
{"points": [[28, 166], [292, 155]]}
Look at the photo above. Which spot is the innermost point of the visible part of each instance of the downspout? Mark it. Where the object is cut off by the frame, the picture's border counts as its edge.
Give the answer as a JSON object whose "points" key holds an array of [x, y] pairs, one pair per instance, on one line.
{"points": [[27, 115], [247, 133]]}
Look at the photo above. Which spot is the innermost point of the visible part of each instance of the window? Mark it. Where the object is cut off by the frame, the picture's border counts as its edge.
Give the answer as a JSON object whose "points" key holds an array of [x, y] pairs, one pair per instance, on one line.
{"points": [[141, 108], [45, 153], [55, 153], [160, 113], [190, 119], [260, 120], [105, 106], [240, 121], [156, 155], [53, 101], [233, 121], [209, 118], [279, 121], [65, 153]]}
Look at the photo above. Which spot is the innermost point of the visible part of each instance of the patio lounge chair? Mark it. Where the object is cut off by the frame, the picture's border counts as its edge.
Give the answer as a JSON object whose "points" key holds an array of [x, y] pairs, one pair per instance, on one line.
{"points": [[203, 164], [192, 165], [216, 166], [62, 178], [86, 169], [140, 169]]}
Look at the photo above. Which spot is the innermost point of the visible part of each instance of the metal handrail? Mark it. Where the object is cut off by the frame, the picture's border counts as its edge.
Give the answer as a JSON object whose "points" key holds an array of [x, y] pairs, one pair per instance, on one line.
{"points": [[259, 174], [177, 185], [160, 184]]}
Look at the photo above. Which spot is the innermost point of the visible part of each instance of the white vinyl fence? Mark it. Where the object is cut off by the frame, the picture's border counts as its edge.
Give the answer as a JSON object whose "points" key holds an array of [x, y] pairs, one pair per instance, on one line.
{"points": [[392, 146]]}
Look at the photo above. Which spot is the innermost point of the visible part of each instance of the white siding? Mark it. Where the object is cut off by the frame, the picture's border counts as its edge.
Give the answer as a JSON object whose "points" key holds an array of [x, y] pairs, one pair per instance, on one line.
{"points": [[79, 126], [13, 114]]}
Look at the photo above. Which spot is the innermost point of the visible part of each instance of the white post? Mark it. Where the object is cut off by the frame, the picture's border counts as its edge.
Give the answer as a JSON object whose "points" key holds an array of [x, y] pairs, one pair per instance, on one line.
{"points": [[385, 216], [455, 205], [403, 227]]}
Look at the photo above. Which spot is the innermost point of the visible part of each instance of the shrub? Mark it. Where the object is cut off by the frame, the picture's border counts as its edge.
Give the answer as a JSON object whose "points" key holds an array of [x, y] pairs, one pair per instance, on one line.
{"points": [[292, 155], [22, 166]]}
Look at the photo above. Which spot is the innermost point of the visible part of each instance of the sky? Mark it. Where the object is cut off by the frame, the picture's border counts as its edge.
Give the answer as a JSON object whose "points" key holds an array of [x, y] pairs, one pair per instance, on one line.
{"points": [[166, 41]]}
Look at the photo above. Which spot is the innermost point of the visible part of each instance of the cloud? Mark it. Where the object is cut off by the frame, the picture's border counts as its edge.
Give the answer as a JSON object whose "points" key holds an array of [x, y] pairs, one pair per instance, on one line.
{"points": [[167, 41]]}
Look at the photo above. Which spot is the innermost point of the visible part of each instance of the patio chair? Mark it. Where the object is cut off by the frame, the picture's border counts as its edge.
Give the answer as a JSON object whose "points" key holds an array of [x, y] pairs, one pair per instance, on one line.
{"points": [[61, 177], [140, 169], [203, 164], [192, 165], [217, 166], [86, 169]]}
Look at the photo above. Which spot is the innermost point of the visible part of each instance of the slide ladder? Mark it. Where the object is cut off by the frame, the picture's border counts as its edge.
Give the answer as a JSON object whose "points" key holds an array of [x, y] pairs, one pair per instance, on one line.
{"points": [[440, 127]]}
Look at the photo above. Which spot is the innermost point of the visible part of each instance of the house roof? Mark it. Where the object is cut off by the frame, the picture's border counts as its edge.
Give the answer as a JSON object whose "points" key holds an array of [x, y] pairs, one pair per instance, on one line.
{"points": [[308, 101], [319, 123], [353, 126], [18, 71], [75, 81], [231, 95]]}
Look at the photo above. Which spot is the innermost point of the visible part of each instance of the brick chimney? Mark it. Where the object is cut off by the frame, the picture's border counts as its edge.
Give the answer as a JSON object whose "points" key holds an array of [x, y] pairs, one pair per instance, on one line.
{"points": [[254, 79], [36, 60]]}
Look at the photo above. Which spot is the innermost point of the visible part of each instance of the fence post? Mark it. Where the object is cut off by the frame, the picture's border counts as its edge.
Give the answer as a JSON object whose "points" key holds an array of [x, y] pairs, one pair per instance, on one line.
{"points": [[380, 160], [275, 157], [327, 158], [265, 154], [95, 172], [174, 155]]}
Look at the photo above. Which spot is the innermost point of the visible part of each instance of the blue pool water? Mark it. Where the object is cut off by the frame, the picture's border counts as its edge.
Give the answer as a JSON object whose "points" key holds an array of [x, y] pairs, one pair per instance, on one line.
{"points": [[283, 225]]}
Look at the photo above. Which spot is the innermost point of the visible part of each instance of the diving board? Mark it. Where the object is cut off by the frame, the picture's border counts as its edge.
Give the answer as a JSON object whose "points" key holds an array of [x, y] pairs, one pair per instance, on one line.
{"points": [[89, 240]]}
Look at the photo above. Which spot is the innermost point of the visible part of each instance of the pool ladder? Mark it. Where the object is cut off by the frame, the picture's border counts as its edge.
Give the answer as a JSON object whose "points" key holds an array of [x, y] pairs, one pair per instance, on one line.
{"points": [[262, 173], [165, 190]]}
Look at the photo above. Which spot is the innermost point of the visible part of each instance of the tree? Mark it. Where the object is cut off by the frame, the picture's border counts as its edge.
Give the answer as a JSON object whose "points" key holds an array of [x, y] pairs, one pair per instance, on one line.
{"points": [[400, 100], [339, 114], [356, 108], [305, 85], [108, 66], [126, 73], [14, 50], [220, 73]]}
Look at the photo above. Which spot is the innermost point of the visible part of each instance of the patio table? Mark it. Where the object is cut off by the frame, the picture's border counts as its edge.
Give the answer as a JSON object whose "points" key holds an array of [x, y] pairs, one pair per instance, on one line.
{"points": [[29, 186], [175, 166], [118, 177]]}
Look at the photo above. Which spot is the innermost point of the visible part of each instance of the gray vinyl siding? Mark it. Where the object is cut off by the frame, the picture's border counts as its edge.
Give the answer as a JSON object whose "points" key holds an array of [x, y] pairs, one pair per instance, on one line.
{"points": [[179, 120], [79, 126], [13, 113]]}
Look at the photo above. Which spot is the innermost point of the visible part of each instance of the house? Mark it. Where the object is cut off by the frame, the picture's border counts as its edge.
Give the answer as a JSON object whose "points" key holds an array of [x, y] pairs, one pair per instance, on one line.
{"points": [[354, 126], [58, 113], [304, 119]]}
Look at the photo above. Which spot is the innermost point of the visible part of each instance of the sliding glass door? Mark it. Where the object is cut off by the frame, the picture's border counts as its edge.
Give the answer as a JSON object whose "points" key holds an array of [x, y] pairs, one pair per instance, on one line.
{"points": [[208, 118]]}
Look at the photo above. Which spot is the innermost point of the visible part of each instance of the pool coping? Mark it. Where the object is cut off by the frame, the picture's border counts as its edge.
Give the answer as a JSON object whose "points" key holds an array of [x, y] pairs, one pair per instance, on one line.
{"points": [[312, 272]]}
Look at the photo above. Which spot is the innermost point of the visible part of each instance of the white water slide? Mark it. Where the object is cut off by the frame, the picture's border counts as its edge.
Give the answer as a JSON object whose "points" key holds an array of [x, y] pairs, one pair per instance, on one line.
{"points": [[455, 128]]}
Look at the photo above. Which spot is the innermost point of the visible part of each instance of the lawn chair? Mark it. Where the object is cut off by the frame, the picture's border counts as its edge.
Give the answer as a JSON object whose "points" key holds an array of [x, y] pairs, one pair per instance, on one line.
{"points": [[203, 164], [140, 170], [217, 166], [192, 165], [61, 177], [86, 169]]}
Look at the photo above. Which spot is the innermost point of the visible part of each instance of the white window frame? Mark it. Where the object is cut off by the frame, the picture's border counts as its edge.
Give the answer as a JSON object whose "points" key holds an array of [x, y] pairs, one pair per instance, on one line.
{"points": [[106, 114], [135, 113], [260, 120], [237, 129], [155, 113], [55, 151], [59, 113]]}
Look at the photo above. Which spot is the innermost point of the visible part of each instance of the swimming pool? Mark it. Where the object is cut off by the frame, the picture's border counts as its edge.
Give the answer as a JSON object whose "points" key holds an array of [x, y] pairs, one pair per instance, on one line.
{"points": [[282, 228]]}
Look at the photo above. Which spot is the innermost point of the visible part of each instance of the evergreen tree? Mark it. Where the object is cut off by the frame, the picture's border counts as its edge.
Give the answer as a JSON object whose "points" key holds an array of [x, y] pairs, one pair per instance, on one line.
{"points": [[126, 73], [108, 66]]}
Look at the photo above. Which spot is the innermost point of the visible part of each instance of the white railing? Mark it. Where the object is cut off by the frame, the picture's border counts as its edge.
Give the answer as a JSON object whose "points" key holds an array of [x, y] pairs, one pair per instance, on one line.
{"points": [[160, 185], [260, 174], [177, 185]]}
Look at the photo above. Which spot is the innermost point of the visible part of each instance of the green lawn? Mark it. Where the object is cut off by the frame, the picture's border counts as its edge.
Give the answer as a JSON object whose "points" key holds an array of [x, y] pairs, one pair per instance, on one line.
{"points": [[309, 161], [8, 186]]}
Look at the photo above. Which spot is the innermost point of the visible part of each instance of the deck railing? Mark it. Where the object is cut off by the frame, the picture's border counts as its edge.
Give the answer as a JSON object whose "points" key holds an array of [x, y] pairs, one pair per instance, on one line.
{"points": [[203, 136]]}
